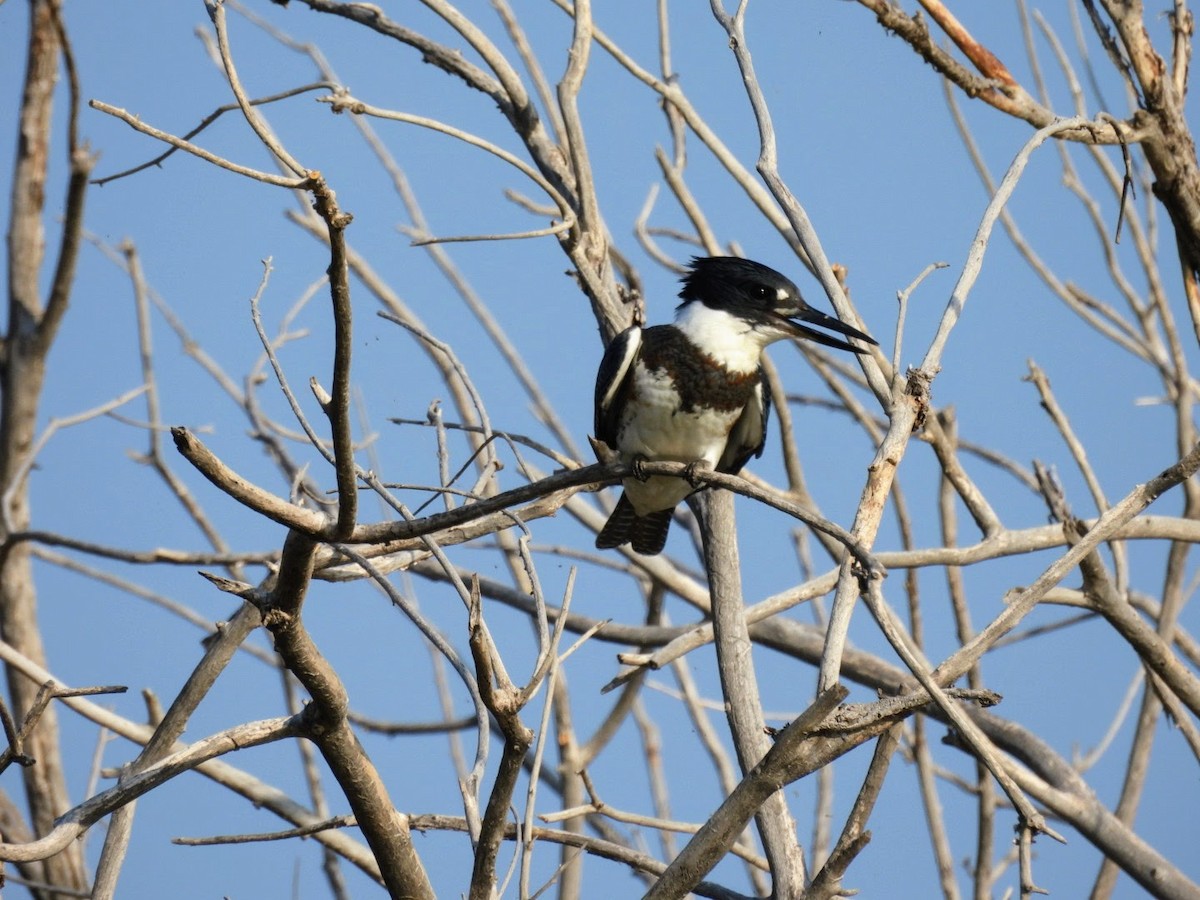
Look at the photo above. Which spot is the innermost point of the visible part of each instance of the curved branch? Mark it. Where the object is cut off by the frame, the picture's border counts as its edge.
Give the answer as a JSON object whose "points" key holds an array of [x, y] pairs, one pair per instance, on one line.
{"points": [[73, 823], [180, 144], [339, 103]]}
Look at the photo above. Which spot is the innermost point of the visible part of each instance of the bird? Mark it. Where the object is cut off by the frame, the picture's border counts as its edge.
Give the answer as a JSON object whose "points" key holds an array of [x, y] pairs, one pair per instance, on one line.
{"points": [[694, 391]]}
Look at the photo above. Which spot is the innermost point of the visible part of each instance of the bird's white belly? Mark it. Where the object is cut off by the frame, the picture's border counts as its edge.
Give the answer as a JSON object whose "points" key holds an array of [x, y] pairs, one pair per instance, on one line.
{"points": [[657, 430]]}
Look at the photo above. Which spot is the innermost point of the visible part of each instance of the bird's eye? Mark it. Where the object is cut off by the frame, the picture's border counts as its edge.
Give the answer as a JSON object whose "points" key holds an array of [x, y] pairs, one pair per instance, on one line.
{"points": [[761, 292]]}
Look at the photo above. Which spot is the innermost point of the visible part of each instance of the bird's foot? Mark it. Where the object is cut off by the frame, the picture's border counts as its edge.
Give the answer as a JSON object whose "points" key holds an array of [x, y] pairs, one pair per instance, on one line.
{"points": [[692, 470], [637, 464]]}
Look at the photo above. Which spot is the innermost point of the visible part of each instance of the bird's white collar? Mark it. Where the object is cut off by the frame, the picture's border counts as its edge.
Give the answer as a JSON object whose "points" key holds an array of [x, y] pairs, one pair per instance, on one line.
{"points": [[729, 340]]}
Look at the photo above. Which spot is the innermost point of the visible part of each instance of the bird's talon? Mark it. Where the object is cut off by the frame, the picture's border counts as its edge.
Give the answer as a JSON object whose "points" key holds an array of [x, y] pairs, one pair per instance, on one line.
{"points": [[692, 470], [637, 464]]}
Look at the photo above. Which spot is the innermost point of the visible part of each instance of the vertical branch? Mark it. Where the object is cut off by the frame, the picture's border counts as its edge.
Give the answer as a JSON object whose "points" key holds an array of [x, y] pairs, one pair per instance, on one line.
{"points": [[30, 333], [568, 101], [154, 456], [906, 416], [827, 883], [715, 748], [923, 756], [984, 789], [557, 701], [330, 861], [80, 162], [384, 828], [588, 247], [740, 686], [336, 405], [337, 408], [501, 697], [1175, 596], [571, 788]]}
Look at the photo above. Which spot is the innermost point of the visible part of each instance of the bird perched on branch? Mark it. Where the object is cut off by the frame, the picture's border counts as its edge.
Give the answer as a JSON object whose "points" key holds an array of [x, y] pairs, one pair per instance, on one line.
{"points": [[694, 391]]}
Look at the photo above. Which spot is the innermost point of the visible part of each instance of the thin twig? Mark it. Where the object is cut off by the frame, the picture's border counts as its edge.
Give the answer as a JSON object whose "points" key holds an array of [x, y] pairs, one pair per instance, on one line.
{"points": [[180, 144]]}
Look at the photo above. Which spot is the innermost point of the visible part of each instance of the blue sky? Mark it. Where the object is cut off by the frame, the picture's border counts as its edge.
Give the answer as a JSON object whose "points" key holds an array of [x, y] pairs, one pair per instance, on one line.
{"points": [[867, 145]]}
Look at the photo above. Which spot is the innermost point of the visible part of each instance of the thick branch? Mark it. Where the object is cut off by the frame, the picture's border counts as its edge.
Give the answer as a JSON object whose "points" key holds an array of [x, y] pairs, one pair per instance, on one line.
{"points": [[739, 686], [382, 825]]}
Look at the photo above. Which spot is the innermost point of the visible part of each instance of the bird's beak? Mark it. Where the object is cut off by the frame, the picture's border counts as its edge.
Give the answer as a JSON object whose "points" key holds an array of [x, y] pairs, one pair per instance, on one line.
{"points": [[793, 318]]}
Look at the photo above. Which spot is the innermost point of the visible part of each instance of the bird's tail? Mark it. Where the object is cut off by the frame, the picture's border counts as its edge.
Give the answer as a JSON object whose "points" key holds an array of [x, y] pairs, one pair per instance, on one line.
{"points": [[647, 534]]}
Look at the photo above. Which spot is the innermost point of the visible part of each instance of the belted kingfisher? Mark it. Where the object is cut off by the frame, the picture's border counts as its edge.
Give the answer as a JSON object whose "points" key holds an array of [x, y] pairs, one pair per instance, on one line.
{"points": [[694, 391]]}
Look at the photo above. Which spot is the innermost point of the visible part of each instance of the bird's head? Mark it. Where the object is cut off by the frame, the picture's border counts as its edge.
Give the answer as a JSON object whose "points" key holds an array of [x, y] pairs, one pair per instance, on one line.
{"points": [[763, 298]]}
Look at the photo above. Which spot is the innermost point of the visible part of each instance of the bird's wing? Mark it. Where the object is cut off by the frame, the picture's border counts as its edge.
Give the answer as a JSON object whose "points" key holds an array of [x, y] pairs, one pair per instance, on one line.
{"points": [[612, 382], [749, 432]]}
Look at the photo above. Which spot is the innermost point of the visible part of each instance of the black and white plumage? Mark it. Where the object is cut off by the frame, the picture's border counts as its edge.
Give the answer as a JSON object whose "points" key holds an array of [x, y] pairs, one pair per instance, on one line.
{"points": [[693, 392]]}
